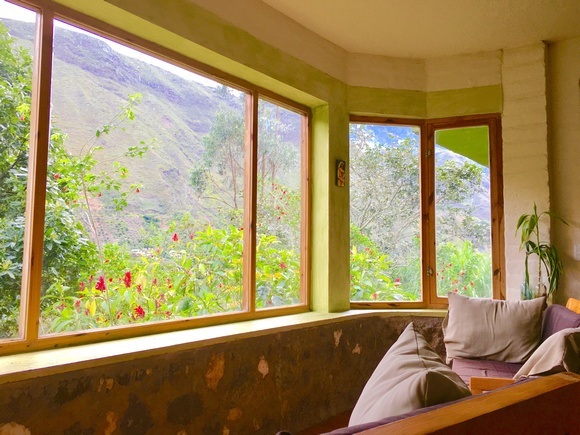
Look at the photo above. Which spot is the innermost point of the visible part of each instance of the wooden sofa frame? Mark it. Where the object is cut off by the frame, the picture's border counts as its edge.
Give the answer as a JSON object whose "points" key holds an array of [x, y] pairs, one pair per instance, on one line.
{"points": [[542, 405]]}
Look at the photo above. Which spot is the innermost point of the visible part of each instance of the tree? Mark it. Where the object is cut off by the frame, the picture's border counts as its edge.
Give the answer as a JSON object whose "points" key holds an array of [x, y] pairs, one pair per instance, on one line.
{"points": [[67, 245], [385, 205], [71, 248]]}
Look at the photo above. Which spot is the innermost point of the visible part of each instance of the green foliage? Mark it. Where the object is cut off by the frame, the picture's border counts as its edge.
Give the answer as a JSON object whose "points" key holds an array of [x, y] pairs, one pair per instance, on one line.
{"points": [[182, 269], [385, 219], [464, 270], [371, 271], [186, 275], [548, 256]]}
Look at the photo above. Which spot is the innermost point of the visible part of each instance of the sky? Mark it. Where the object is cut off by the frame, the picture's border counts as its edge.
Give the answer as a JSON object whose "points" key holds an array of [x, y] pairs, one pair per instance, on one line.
{"points": [[13, 12]]}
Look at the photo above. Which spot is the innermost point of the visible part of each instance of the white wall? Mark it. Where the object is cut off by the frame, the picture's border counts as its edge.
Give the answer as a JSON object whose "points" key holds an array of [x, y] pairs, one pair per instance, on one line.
{"points": [[564, 138], [525, 149]]}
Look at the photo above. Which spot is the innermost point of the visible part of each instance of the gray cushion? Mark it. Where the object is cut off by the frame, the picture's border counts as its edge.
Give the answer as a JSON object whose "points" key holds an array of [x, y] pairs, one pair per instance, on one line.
{"points": [[489, 329], [410, 376], [560, 352]]}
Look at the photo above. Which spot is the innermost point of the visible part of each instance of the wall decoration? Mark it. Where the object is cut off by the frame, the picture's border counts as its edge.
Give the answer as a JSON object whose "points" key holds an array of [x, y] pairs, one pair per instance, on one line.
{"points": [[340, 173]]}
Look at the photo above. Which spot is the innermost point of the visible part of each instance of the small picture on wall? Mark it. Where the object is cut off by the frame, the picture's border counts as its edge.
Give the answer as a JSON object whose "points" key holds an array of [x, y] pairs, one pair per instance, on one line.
{"points": [[340, 173]]}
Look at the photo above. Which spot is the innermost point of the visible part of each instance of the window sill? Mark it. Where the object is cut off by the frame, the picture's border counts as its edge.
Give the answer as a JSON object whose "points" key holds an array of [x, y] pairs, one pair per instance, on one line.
{"points": [[54, 361]]}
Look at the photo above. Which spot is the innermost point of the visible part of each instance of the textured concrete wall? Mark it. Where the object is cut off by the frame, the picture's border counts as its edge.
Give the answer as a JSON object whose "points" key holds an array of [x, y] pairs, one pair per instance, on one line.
{"points": [[563, 134], [259, 385], [525, 149]]}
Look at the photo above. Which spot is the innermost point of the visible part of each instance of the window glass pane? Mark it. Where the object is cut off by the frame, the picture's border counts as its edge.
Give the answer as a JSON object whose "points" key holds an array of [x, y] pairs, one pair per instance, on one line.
{"points": [[384, 213], [279, 206], [16, 43], [145, 190], [462, 212]]}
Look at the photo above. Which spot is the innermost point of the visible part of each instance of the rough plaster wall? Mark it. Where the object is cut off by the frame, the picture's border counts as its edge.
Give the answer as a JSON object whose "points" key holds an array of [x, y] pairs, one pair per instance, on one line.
{"points": [[564, 136], [463, 72], [282, 33], [525, 149], [287, 380], [386, 72]]}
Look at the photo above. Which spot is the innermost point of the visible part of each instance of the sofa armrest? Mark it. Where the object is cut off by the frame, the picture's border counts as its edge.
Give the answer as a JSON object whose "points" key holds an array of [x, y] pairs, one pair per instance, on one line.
{"points": [[478, 385], [506, 410]]}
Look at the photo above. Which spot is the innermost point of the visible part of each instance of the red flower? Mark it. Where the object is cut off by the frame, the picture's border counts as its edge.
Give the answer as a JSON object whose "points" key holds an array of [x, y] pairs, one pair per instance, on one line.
{"points": [[139, 312], [397, 279], [137, 190], [154, 281], [127, 279], [282, 265], [175, 237], [100, 285], [139, 288], [81, 286], [56, 176]]}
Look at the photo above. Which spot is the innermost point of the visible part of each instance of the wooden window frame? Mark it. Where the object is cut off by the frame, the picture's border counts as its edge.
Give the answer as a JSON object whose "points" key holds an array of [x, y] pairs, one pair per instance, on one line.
{"points": [[427, 204], [29, 339]]}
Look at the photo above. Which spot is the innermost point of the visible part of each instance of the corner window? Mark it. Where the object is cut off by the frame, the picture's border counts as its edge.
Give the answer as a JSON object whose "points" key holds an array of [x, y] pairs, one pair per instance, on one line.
{"points": [[425, 207], [155, 196]]}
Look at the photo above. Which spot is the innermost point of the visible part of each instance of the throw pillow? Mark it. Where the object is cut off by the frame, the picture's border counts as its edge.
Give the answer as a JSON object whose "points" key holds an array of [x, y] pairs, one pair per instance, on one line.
{"points": [[410, 376], [560, 352], [507, 331]]}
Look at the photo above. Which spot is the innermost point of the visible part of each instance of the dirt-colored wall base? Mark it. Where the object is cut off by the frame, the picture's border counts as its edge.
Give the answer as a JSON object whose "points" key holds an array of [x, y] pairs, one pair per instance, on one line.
{"points": [[287, 380]]}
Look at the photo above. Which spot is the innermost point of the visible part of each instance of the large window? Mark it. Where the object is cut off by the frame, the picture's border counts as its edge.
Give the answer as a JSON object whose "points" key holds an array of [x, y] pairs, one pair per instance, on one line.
{"points": [[425, 208], [153, 195]]}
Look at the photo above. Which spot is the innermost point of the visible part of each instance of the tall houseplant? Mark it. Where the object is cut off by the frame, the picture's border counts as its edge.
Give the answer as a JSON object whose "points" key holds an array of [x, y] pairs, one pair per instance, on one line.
{"points": [[548, 256]]}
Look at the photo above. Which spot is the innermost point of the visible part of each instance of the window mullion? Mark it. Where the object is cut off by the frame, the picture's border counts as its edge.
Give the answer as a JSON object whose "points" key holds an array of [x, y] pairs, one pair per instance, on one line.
{"points": [[36, 190], [497, 210], [305, 212], [428, 215], [250, 202]]}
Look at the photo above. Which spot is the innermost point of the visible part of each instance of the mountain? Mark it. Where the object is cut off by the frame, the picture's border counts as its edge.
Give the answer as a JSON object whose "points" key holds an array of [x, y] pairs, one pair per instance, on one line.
{"points": [[92, 80]]}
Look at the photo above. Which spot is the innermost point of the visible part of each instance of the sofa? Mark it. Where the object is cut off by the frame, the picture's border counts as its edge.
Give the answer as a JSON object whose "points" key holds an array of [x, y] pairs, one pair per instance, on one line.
{"points": [[515, 342], [555, 319], [550, 400]]}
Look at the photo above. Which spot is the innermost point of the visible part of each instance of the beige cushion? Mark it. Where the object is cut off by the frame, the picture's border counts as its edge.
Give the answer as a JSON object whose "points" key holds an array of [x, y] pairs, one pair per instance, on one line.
{"points": [[410, 376], [490, 329], [560, 352]]}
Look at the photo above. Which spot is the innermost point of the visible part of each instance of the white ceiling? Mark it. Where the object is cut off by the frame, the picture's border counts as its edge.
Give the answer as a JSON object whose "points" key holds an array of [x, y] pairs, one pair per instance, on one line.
{"points": [[434, 28]]}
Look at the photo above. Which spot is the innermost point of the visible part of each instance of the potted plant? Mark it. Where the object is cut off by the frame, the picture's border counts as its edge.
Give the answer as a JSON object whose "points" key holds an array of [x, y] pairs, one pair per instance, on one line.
{"points": [[548, 256]]}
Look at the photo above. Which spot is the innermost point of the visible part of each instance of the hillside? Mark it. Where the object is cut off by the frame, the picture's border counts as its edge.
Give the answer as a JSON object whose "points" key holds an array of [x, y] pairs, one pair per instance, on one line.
{"points": [[91, 82]]}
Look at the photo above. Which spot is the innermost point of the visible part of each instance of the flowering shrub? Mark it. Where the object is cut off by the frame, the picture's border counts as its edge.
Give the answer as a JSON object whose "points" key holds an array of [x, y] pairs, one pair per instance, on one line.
{"points": [[189, 275], [463, 269]]}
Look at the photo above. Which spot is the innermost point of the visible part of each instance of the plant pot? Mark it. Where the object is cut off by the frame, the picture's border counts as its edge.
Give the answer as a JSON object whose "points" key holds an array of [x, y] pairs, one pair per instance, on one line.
{"points": [[528, 292]]}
